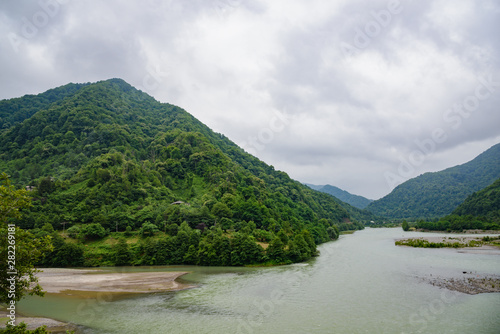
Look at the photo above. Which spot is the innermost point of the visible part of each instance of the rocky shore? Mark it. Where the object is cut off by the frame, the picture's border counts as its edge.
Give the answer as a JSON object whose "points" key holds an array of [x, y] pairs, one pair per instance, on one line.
{"points": [[469, 283]]}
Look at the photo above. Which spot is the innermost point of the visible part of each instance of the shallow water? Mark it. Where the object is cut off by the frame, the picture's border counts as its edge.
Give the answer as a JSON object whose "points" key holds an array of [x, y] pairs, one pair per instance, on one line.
{"points": [[361, 283]]}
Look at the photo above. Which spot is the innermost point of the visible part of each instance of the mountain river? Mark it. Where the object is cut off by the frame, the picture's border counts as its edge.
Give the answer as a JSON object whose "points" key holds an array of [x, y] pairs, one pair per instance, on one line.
{"points": [[361, 283]]}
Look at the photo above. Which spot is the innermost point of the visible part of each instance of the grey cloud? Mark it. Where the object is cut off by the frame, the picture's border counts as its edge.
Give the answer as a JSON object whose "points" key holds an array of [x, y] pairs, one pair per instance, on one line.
{"points": [[351, 117]]}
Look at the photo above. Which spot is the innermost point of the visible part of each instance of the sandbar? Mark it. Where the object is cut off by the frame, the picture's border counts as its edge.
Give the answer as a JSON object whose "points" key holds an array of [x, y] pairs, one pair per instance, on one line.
{"points": [[56, 280]]}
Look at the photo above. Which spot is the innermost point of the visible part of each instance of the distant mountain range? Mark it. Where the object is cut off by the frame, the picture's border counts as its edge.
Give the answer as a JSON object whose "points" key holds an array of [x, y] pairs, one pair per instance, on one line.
{"points": [[433, 195], [357, 201]]}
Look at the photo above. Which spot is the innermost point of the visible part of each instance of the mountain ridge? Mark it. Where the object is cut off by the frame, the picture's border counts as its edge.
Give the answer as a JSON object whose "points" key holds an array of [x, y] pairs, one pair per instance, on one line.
{"points": [[357, 201], [436, 194], [106, 153]]}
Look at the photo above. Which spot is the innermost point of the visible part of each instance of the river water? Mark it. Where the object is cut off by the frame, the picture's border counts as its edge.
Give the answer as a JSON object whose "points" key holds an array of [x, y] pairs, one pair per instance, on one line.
{"points": [[361, 283]]}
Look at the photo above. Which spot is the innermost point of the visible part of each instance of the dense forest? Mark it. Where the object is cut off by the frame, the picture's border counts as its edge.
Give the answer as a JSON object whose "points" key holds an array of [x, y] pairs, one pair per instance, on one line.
{"points": [[434, 195], [481, 210], [111, 167], [484, 203]]}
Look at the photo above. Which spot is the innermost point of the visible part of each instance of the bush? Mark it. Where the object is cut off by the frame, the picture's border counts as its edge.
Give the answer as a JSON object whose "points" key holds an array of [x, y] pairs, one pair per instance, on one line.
{"points": [[73, 231], [93, 231], [405, 226], [128, 231], [22, 329], [148, 229], [123, 256]]}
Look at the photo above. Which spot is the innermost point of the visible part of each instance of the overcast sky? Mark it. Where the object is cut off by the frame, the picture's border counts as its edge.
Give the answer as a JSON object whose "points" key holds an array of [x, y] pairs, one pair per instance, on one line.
{"points": [[362, 94]]}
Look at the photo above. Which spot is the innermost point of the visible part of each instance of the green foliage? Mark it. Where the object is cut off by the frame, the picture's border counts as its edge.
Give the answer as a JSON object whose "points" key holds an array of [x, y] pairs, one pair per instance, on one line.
{"points": [[221, 210], [480, 211], [123, 256], [64, 254], [128, 231], [484, 203], [11, 200], [106, 156], [148, 229], [19, 249], [73, 231], [434, 195], [22, 329], [422, 243], [458, 224], [405, 226], [93, 231], [28, 250]]}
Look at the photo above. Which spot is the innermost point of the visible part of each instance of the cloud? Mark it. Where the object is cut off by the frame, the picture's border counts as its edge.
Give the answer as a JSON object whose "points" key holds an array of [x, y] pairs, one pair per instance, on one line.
{"points": [[329, 91]]}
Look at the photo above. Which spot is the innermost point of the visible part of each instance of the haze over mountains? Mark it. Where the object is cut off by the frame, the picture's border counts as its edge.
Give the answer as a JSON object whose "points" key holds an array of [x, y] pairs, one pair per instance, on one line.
{"points": [[357, 201]]}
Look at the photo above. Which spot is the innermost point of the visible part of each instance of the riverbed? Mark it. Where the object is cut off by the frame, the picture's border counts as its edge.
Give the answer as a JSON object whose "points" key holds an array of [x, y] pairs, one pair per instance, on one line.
{"points": [[361, 283]]}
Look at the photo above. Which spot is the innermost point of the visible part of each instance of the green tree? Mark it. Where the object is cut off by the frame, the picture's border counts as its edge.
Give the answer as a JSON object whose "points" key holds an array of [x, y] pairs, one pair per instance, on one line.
{"points": [[93, 231], [123, 256], [245, 250], [405, 226], [333, 232], [148, 229], [28, 249], [45, 186], [221, 210], [11, 200], [276, 252], [65, 254]]}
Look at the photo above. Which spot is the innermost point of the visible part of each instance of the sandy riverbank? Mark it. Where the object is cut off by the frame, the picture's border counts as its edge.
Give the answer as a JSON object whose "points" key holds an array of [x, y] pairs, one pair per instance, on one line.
{"points": [[63, 280], [82, 282], [53, 326]]}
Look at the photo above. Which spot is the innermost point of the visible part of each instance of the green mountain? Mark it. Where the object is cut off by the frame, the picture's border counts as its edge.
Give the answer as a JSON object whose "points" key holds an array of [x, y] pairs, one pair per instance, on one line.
{"points": [[16, 110], [433, 195], [357, 201], [107, 155], [479, 211], [484, 203]]}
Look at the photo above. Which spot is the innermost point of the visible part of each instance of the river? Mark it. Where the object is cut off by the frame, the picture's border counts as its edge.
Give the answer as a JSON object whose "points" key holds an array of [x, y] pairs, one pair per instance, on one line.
{"points": [[361, 283]]}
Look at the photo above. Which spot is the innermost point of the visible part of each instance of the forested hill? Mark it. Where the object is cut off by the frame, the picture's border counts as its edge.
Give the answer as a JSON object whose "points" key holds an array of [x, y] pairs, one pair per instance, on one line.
{"points": [[432, 195], [357, 201], [479, 211], [484, 203], [107, 153], [16, 110]]}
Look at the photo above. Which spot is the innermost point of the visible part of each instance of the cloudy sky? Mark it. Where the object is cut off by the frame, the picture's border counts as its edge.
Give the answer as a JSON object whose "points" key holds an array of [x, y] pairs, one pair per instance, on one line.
{"points": [[361, 94]]}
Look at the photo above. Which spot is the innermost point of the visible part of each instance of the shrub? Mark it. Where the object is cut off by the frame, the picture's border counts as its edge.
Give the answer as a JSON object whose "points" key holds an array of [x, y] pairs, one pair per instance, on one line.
{"points": [[73, 231], [93, 231], [148, 229]]}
